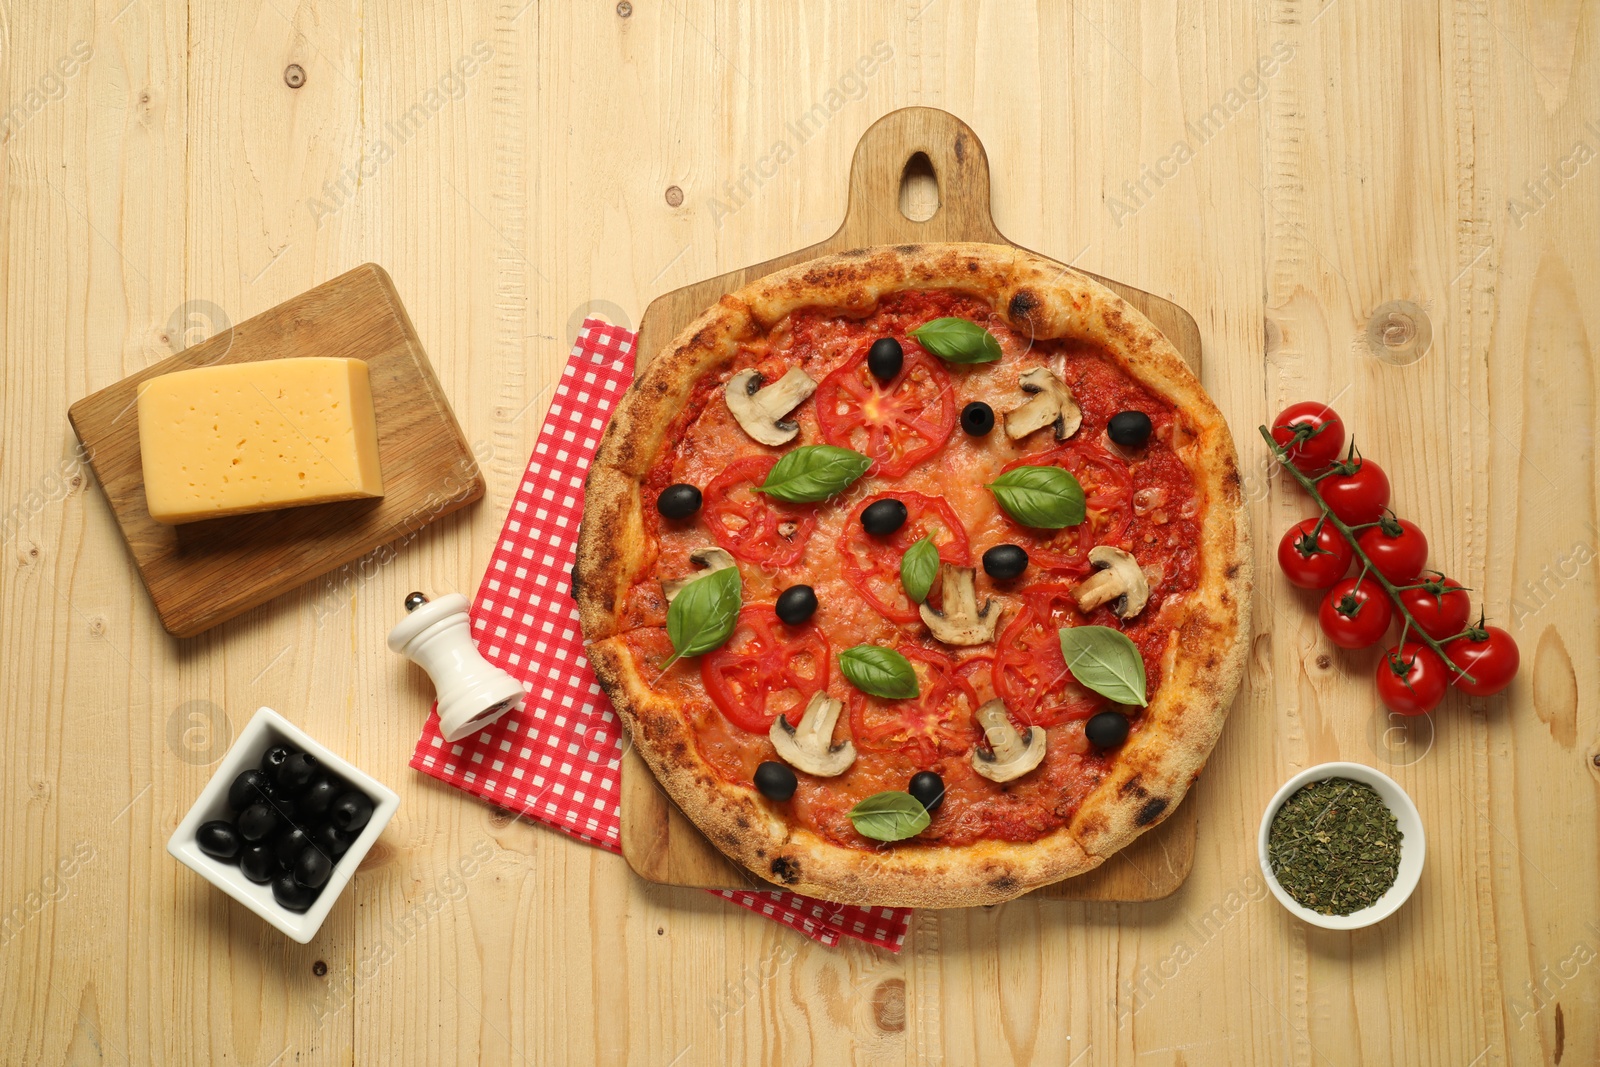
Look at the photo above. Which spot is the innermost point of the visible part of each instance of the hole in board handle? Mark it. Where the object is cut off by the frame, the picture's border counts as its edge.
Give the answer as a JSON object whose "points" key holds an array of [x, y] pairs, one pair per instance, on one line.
{"points": [[919, 189]]}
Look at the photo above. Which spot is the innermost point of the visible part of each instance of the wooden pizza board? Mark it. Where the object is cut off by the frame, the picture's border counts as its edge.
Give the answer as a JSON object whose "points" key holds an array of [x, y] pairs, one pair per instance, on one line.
{"points": [[202, 573], [658, 840]]}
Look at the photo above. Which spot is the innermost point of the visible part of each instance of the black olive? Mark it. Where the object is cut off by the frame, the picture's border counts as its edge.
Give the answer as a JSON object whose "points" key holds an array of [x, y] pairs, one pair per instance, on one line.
{"points": [[927, 788], [288, 845], [977, 418], [257, 821], [331, 841], [312, 868], [1107, 729], [776, 781], [1130, 429], [885, 358], [247, 789], [1003, 562], [219, 840], [273, 758], [884, 517], [350, 811], [318, 794], [796, 604], [286, 810], [297, 771], [259, 864], [291, 894], [678, 501]]}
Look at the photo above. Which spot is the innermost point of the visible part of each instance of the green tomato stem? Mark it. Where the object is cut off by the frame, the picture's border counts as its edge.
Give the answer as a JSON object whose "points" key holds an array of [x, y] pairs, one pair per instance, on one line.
{"points": [[1368, 570]]}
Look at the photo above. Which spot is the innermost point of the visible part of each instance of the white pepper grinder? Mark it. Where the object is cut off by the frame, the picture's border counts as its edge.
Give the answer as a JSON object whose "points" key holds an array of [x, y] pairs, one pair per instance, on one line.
{"points": [[436, 636]]}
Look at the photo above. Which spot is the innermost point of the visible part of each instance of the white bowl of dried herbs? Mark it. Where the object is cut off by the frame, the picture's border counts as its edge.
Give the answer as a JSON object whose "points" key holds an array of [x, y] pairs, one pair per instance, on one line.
{"points": [[1341, 846]]}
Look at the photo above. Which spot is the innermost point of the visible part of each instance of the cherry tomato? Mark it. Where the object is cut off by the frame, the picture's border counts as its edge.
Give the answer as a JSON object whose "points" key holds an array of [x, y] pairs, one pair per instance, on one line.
{"points": [[1488, 654], [1412, 679], [1357, 491], [1030, 674], [1439, 606], [1398, 549], [751, 525], [765, 669], [1355, 613], [871, 563], [1313, 554], [938, 722], [1312, 433], [899, 422], [1108, 507]]}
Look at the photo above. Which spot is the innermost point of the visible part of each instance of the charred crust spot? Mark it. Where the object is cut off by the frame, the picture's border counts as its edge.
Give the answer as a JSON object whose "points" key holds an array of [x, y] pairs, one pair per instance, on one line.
{"points": [[761, 853], [1233, 570], [1003, 883], [1024, 302], [1091, 826], [1151, 811], [786, 869], [907, 250], [855, 253], [679, 749], [744, 823], [1134, 786], [972, 266]]}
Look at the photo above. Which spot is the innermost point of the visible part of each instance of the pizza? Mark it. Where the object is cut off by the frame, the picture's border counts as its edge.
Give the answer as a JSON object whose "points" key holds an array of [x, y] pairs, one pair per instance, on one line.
{"points": [[918, 575]]}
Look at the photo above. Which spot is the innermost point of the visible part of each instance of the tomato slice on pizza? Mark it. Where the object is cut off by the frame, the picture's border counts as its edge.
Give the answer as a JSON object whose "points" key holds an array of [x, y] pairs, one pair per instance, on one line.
{"points": [[896, 423], [1030, 673], [937, 722], [871, 562], [765, 669], [753, 526], [1108, 507]]}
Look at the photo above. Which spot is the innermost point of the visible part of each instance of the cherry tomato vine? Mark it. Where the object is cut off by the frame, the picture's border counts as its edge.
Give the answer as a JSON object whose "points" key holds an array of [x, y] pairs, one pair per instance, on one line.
{"points": [[1301, 446]]}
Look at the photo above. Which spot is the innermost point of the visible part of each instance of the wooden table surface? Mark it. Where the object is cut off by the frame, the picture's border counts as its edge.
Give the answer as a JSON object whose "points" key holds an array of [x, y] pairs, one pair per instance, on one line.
{"points": [[1284, 170]]}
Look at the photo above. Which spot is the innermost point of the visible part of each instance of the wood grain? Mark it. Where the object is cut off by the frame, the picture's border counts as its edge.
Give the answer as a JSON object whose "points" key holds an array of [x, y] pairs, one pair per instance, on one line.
{"points": [[202, 573], [918, 174], [1383, 152]]}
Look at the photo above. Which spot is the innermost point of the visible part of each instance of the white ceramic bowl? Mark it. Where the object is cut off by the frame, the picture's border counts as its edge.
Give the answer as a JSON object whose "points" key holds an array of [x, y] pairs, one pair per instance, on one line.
{"points": [[265, 729], [1413, 846]]}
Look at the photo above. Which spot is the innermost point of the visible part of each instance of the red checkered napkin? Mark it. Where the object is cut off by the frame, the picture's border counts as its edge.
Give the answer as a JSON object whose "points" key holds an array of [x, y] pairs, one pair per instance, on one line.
{"points": [[558, 758]]}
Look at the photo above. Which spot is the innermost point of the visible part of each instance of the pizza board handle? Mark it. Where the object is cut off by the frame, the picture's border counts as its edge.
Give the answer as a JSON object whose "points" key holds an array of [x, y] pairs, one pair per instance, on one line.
{"points": [[917, 156]]}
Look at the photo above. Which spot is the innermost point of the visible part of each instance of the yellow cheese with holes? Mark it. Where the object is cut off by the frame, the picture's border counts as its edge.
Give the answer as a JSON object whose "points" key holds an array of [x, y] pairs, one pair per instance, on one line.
{"points": [[246, 437]]}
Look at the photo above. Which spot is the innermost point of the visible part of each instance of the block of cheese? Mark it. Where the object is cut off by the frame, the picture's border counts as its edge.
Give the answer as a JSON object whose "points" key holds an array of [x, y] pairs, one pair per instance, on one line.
{"points": [[243, 437]]}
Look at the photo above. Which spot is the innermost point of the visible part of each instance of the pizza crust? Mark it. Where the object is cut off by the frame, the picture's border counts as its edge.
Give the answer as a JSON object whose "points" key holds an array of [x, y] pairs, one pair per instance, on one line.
{"points": [[1153, 771]]}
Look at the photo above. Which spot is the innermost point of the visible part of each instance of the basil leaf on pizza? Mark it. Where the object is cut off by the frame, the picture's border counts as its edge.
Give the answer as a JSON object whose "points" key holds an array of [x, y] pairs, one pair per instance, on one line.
{"points": [[814, 472], [703, 614], [1045, 498], [918, 568], [890, 816], [879, 672], [958, 341], [1106, 661]]}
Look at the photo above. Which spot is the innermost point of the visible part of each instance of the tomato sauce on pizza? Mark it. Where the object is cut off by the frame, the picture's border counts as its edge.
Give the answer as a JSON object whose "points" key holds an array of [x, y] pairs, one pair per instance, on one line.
{"points": [[1143, 500]]}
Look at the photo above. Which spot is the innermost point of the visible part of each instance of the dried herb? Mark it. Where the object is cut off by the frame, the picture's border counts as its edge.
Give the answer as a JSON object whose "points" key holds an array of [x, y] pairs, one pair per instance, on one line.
{"points": [[1334, 846]]}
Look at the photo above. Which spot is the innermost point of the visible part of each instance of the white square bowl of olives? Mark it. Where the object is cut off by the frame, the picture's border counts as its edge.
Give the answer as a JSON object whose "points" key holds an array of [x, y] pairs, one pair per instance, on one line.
{"points": [[283, 824]]}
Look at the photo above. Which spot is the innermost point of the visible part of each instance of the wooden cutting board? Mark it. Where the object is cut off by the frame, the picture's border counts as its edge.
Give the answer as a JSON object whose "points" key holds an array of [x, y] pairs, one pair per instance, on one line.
{"points": [[899, 163], [201, 573]]}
